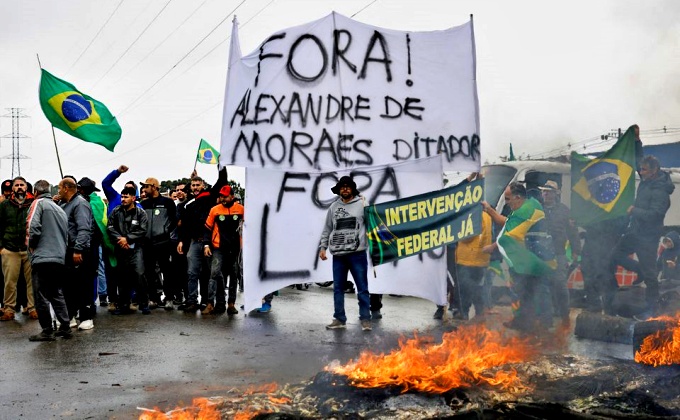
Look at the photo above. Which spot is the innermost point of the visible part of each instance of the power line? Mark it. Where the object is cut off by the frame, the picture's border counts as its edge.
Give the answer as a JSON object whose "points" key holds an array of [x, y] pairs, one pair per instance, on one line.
{"points": [[181, 59], [222, 42], [601, 141], [133, 42], [95, 36], [171, 130], [162, 42], [364, 8]]}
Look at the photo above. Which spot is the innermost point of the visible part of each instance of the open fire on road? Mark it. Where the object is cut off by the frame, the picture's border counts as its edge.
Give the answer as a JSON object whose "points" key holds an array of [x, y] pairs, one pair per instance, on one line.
{"points": [[472, 369]]}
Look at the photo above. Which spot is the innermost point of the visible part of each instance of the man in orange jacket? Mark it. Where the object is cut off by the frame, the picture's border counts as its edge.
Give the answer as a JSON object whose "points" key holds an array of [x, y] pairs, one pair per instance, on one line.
{"points": [[223, 242]]}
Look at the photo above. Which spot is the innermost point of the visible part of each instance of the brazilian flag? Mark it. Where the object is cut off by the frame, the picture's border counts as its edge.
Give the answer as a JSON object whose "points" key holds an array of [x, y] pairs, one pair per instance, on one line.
{"points": [[76, 113], [207, 153], [604, 188], [522, 231]]}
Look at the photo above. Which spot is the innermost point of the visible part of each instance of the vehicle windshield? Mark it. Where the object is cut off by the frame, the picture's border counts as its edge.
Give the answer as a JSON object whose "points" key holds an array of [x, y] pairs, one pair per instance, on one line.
{"points": [[496, 178]]}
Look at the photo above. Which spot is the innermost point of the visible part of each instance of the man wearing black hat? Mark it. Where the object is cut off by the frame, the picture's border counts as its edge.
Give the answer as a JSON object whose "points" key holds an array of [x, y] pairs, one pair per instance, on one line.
{"points": [[6, 190], [87, 188], [344, 235]]}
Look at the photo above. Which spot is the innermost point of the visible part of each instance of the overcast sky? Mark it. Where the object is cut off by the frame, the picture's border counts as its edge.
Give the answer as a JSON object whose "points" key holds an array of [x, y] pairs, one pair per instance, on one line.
{"points": [[549, 73]]}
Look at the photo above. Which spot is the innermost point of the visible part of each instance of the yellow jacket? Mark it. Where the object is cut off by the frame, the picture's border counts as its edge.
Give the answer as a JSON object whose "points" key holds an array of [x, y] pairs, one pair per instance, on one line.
{"points": [[469, 251]]}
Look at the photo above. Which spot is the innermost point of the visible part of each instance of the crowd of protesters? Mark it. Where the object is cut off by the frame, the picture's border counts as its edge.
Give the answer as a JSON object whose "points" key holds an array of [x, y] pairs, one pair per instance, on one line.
{"points": [[140, 250], [136, 251]]}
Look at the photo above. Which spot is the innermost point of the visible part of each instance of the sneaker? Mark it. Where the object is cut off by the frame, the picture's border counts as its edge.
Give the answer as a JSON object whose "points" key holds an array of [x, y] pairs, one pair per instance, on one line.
{"points": [[33, 314], [103, 300], [7, 316], [64, 333], [134, 307], [146, 310], [266, 307], [88, 324], [208, 309], [73, 323], [45, 335], [192, 307], [337, 324], [439, 313], [376, 314], [366, 325], [112, 307], [168, 305], [153, 305], [178, 302], [231, 310], [220, 308]]}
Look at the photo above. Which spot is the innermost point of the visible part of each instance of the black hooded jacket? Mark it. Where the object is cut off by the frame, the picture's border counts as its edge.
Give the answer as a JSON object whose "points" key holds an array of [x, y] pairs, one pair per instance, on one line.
{"points": [[651, 204]]}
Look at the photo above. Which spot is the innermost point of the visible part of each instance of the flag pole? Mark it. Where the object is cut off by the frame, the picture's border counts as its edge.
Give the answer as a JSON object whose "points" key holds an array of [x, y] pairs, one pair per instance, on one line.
{"points": [[54, 136], [196, 160]]}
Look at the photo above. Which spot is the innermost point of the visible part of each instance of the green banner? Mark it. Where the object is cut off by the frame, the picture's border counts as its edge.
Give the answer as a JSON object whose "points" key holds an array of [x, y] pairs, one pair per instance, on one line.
{"points": [[413, 225]]}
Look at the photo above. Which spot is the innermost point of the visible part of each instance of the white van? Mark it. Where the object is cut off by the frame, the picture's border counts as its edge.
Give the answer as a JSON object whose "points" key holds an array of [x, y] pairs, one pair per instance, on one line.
{"points": [[535, 173]]}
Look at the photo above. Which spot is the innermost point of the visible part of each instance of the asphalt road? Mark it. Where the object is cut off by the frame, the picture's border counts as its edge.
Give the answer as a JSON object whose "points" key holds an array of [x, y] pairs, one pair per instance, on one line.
{"points": [[169, 357]]}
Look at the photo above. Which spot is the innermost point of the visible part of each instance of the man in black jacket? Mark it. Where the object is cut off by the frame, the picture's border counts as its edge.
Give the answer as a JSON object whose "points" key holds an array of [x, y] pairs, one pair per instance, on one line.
{"points": [[161, 213], [127, 227], [652, 201], [192, 217]]}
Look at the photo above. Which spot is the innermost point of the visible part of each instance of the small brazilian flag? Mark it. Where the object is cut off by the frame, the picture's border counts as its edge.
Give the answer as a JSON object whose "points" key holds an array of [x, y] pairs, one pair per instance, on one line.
{"points": [[76, 113], [604, 188], [207, 153]]}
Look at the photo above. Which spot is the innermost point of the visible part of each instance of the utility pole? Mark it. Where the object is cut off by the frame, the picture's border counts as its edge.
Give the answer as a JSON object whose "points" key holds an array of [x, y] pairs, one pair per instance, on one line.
{"points": [[613, 133], [16, 114]]}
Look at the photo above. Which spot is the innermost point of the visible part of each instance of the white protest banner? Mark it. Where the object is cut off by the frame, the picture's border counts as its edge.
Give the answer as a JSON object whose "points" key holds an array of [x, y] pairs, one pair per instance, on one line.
{"points": [[335, 94], [285, 214]]}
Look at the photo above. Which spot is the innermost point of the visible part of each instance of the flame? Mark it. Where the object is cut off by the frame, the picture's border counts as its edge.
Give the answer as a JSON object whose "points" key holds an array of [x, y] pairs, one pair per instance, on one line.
{"points": [[262, 389], [662, 347], [472, 355], [201, 409], [282, 400], [241, 406]]}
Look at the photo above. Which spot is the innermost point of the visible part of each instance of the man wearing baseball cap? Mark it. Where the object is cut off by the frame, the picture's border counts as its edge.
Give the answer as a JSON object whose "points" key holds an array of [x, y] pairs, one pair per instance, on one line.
{"points": [[561, 229], [6, 190], [223, 242]]}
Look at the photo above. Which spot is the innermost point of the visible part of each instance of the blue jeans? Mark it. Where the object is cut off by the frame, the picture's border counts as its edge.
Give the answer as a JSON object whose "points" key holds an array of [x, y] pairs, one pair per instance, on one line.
{"points": [[535, 301], [101, 276], [198, 270], [357, 264]]}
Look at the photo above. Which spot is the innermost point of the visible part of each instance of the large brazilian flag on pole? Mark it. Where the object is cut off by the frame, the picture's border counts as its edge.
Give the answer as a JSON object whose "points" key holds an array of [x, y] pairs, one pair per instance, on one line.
{"points": [[76, 113], [604, 188]]}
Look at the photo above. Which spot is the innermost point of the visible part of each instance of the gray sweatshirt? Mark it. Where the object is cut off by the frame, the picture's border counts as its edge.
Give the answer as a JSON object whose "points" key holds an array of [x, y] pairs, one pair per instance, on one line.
{"points": [[47, 231], [344, 231]]}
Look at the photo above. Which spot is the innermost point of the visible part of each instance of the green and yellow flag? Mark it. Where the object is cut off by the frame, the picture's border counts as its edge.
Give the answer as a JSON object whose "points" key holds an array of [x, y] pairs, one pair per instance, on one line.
{"points": [[521, 230], [604, 188], [207, 153], [76, 113], [413, 225]]}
